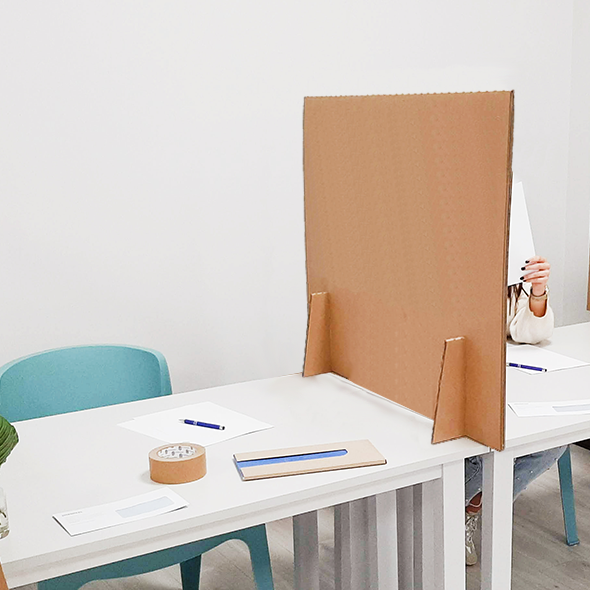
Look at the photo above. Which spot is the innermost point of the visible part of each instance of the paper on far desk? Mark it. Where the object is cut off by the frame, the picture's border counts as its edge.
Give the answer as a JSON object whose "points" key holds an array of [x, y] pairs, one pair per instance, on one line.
{"points": [[525, 354], [166, 425], [521, 246], [561, 408], [95, 518]]}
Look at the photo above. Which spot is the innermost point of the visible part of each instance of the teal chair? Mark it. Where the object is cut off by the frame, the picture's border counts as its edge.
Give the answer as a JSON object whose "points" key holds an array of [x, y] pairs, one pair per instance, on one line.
{"points": [[568, 506], [81, 377]]}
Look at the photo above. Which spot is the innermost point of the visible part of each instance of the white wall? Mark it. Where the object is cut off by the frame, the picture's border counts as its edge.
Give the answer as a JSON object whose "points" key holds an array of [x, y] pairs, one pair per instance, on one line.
{"points": [[151, 158], [575, 261]]}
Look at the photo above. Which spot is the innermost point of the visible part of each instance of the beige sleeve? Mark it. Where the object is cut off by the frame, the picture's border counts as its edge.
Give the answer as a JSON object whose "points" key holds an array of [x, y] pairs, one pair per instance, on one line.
{"points": [[526, 327]]}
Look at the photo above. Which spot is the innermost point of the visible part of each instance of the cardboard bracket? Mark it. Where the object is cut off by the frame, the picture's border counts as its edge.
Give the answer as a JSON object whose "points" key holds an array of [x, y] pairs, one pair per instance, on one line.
{"points": [[449, 414], [318, 357]]}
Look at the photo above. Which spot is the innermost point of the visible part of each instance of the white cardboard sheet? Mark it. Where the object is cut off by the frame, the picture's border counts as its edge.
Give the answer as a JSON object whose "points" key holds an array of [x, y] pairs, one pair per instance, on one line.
{"points": [[167, 425], [521, 246], [526, 354]]}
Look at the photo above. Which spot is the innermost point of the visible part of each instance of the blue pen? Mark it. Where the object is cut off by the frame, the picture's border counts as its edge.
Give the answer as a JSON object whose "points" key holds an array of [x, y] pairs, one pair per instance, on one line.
{"points": [[530, 367], [203, 424]]}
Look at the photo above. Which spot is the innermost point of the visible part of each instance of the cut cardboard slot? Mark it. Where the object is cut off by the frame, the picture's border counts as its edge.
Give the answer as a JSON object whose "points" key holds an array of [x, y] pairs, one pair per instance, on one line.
{"points": [[406, 201]]}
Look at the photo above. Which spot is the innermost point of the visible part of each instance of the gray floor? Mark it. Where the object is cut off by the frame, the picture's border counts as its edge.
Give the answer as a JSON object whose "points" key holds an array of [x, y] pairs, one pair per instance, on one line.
{"points": [[542, 561]]}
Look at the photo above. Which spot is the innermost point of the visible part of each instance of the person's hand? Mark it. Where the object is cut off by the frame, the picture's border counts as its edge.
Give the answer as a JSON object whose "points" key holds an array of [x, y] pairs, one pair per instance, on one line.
{"points": [[536, 272]]}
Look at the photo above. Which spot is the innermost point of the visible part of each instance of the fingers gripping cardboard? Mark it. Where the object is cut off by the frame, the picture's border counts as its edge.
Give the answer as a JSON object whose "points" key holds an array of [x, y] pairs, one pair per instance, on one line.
{"points": [[406, 197]]}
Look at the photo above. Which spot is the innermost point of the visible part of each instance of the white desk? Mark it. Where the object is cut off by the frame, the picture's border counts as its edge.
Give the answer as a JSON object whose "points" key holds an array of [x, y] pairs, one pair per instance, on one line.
{"points": [[75, 461], [528, 435]]}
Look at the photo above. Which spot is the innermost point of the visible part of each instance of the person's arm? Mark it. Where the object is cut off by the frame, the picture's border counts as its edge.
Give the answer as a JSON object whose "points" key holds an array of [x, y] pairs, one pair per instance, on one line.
{"points": [[534, 319]]}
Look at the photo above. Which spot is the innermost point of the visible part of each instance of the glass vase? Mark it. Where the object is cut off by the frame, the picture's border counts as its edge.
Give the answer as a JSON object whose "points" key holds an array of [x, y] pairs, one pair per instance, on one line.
{"points": [[4, 529]]}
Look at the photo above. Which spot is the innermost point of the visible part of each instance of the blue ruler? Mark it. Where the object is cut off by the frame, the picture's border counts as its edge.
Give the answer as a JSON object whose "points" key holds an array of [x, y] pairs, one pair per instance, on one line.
{"points": [[291, 458]]}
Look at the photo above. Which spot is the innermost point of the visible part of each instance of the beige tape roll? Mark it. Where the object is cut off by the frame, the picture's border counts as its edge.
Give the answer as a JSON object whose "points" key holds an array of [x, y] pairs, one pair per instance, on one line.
{"points": [[177, 463]]}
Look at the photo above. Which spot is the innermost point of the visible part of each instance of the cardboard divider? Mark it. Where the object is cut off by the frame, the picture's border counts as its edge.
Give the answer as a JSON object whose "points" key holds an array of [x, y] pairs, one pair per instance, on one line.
{"points": [[406, 225]]}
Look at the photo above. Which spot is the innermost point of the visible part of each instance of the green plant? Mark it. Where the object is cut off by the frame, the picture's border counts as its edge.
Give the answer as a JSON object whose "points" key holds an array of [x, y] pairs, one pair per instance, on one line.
{"points": [[8, 438]]}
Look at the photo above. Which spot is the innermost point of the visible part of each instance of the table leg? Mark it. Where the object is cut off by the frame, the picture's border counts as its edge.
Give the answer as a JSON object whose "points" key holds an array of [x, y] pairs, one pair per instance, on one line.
{"points": [[428, 536], [355, 546], [383, 528], [405, 537], [496, 536], [342, 547], [453, 485], [420, 506], [306, 551]]}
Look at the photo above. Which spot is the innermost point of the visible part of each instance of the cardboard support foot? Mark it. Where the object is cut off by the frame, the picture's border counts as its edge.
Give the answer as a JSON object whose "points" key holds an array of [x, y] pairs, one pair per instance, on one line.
{"points": [[318, 358], [449, 416], [3, 584]]}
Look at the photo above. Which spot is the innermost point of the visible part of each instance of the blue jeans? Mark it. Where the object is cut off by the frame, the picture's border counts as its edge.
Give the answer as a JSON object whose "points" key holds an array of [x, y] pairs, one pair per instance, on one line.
{"points": [[526, 469]]}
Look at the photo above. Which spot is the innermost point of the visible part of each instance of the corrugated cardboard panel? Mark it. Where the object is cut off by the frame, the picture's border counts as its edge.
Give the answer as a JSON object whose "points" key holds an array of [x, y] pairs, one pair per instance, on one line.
{"points": [[406, 212]]}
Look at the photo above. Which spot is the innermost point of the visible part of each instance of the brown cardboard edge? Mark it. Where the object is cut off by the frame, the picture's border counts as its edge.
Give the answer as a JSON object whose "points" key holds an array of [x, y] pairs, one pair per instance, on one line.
{"points": [[498, 441], [317, 349], [509, 173], [404, 94], [305, 241], [449, 414]]}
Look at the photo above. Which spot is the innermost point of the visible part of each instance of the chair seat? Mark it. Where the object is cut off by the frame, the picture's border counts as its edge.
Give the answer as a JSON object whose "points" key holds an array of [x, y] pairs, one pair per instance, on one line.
{"points": [[188, 556]]}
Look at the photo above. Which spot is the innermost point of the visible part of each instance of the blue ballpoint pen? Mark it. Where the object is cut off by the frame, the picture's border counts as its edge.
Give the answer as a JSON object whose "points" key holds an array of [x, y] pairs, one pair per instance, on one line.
{"points": [[203, 424], [530, 367]]}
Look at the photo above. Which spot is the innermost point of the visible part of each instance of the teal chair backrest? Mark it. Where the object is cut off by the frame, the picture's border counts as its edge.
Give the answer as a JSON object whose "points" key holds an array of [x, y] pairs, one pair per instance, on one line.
{"points": [[80, 377]]}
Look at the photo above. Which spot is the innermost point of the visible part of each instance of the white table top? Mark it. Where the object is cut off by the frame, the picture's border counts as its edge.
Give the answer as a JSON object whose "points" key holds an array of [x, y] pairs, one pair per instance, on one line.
{"points": [[74, 461], [568, 384]]}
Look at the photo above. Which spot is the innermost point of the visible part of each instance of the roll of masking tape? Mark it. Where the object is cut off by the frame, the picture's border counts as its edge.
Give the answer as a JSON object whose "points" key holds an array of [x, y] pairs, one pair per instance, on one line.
{"points": [[178, 463]]}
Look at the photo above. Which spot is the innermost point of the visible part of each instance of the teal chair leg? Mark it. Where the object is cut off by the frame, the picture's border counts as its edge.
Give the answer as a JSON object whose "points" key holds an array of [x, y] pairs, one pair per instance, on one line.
{"points": [[189, 556], [190, 573], [567, 498], [255, 538]]}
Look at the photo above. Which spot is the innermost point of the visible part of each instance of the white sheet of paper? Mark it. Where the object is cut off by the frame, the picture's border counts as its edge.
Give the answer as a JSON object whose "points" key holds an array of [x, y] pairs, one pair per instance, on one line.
{"points": [[146, 505], [561, 408], [167, 425], [525, 354], [521, 246]]}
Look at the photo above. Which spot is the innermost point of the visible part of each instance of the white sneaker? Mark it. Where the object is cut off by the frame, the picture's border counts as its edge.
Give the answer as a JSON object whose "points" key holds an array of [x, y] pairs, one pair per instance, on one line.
{"points": [[471, 520]]}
